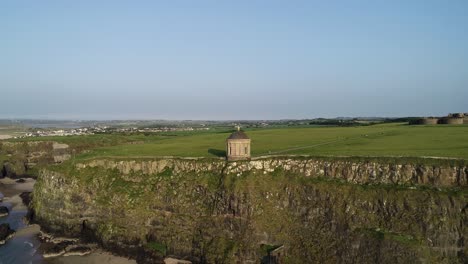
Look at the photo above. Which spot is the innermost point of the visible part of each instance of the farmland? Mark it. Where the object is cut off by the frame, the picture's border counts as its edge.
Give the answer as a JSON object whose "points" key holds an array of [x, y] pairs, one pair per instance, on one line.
{"points": [[376, 140]]}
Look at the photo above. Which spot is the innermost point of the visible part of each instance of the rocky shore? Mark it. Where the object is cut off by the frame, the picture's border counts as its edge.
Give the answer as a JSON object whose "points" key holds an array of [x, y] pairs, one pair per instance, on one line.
{"points": [[21, 242], [5, 233]]}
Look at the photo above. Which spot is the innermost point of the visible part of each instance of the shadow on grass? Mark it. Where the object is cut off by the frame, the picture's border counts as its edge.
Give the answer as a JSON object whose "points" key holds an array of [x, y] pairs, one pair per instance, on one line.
{"points": [[217, 152]]}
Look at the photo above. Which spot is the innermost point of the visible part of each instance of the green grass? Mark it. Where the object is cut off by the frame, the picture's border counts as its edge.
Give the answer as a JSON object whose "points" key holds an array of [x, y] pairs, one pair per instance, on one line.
{"points": [[80, 143], [157, 247], [266, 249], [384, 234], [377, 140]]}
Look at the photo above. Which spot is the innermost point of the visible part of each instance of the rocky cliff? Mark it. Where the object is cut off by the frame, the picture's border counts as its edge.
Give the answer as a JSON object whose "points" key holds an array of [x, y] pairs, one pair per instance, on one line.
{"points": [[18, 159], [295, 209]]}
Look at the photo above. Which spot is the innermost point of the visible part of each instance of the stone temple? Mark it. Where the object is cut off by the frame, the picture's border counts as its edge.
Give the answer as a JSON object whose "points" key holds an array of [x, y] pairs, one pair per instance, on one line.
{"points": [[238, 146]]}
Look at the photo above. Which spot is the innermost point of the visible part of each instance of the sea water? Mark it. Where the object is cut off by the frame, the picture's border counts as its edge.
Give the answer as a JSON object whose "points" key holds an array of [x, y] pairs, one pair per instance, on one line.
{"points": [[22, 248]]}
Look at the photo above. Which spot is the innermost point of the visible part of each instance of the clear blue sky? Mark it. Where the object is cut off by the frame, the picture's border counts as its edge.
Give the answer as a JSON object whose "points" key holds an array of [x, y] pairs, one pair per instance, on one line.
{"points": [[232, 59]]}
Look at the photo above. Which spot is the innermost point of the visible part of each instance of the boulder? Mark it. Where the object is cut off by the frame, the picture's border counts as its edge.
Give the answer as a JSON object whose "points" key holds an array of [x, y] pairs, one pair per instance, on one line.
{"points": [[5, 233], [26, 197], [3, 211], [2, 171], [14, 169]]}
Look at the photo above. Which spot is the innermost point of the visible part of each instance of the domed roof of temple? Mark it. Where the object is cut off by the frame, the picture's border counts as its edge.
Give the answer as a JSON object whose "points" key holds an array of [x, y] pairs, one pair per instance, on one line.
{"points": [[238, 135]]}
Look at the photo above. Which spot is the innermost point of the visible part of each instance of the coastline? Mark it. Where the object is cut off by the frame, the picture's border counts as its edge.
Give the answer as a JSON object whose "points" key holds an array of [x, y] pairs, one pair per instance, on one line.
{"points": [[99, 256], [25, 246]]}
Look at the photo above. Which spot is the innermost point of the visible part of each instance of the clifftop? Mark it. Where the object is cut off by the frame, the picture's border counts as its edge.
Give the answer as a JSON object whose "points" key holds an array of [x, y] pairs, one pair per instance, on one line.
{"points": [[353, 170]]}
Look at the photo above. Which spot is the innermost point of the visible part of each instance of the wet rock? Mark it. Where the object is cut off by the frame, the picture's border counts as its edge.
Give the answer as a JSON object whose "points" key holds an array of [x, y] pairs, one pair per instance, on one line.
{"points": [[51, 249], [2, 171], [78, 250], [5, 233], [3, 211], [26, 197], [63, 246]]}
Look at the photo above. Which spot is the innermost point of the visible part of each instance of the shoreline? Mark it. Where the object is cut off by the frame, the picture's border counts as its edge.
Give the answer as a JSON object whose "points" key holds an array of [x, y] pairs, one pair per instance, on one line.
{"points": [[98, 256], [25, 244]]}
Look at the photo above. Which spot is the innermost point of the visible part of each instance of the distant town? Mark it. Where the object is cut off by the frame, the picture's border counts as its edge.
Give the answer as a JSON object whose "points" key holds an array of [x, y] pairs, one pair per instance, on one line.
{"points": [[106, 130], [23, 128]]}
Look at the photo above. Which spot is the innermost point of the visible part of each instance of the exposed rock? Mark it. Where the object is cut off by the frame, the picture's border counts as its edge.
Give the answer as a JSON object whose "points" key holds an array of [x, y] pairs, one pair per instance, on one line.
{"points": [[23, 156], [59, 146], [57, 246], [362, 172], [176, 261], [2, 170], [20, 180], [65, 248], [210, 211], [78, 250], [50, 249], [14, 169], [47, 237], [26, 198], [4, 211], [61, 158], [5, 233]]}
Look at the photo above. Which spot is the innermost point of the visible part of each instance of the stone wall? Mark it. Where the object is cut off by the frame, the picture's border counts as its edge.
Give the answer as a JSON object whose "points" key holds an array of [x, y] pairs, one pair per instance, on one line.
{"points": [[451, 121], [426, 121]]}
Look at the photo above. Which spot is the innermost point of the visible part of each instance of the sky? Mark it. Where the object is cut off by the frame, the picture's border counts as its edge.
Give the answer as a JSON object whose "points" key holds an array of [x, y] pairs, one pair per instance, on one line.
{"points": [[231, 60]]}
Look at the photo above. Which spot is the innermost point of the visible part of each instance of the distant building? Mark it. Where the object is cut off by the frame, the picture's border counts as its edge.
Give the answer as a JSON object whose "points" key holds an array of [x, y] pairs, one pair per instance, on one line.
{"points": [[451, 119], [425, 121], [238, 146]]}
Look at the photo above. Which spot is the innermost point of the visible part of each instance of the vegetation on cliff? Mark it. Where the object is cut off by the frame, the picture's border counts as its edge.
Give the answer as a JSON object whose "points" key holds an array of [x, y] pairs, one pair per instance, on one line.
{"points": [[210, 211]]}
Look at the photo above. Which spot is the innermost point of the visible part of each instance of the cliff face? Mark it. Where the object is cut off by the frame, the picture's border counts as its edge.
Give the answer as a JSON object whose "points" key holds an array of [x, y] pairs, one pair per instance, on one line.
{"points": [[210, 211], [360, 172]]}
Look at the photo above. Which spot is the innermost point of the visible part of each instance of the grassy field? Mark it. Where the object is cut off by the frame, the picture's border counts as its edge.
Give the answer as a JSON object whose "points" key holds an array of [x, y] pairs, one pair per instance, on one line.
{"points": [[377, 140]]}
